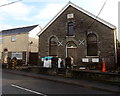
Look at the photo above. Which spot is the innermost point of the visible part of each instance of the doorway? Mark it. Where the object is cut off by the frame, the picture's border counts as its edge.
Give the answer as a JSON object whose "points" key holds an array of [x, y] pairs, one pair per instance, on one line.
{"points": [[71, 50], [5, 55]]}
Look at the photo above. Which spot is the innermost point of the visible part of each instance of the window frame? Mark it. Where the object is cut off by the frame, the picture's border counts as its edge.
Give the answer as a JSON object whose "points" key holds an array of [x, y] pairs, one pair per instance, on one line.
{"points": [[13, 38], [70, 29], [53, 43], [94, 42], [13, 54]]}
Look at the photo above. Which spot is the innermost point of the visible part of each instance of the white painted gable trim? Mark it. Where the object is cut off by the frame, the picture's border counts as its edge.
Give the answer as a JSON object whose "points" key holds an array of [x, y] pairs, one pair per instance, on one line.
{"points": [[80, 9]]}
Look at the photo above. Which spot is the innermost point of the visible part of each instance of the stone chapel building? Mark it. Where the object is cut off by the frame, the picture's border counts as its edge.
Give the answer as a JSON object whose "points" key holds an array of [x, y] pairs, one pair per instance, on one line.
{"points": [[76, 32]]}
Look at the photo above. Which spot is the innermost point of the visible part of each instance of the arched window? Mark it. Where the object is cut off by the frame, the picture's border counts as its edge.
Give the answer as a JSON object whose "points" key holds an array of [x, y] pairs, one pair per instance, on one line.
{"points": [[70, 29], [71, 44], [53, 46], [92, 45]]}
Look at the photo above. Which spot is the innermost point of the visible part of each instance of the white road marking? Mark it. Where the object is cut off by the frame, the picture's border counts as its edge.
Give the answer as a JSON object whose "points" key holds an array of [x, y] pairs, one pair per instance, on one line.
{"points": [[27, 90]]}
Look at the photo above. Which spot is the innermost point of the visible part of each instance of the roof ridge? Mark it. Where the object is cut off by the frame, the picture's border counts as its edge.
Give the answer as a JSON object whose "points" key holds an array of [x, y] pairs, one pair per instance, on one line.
{"points": [[19, 30], [20, 27]]}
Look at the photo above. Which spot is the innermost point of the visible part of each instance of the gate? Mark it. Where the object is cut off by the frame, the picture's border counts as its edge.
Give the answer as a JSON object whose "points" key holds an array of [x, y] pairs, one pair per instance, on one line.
{"points": [[33, 58]]}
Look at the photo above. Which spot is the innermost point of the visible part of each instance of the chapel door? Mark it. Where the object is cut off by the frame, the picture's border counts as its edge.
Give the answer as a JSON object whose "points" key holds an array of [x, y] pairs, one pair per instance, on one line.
{"points": [[72, 51]]}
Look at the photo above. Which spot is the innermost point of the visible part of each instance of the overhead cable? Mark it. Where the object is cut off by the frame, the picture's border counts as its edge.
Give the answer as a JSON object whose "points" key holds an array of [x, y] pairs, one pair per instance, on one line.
{"points": [[97, 15], [10, 3]]}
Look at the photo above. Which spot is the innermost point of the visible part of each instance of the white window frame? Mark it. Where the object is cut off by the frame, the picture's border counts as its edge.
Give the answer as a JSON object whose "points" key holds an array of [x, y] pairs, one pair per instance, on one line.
{"points": [[13, 38]]}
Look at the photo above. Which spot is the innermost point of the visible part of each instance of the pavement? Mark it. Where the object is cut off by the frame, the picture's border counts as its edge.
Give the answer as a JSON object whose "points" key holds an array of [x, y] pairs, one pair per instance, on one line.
{"points": [[77, 82]]}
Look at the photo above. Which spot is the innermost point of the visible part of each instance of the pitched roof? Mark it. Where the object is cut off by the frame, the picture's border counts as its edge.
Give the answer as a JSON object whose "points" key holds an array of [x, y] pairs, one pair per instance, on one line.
{"points": [[18, 30], [80, 9]]}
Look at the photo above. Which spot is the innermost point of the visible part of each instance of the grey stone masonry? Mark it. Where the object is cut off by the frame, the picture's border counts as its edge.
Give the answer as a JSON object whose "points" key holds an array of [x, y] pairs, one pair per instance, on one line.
{"points": [[83, 25]]}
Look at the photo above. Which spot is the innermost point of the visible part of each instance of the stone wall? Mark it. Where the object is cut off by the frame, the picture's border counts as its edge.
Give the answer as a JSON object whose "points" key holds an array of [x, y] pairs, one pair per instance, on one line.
{"points": [[105, 37]]}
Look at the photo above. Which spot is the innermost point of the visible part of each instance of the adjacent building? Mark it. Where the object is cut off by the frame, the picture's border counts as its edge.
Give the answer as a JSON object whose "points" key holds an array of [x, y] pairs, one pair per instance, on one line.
{"points": [[19, 43], [77, 33]]}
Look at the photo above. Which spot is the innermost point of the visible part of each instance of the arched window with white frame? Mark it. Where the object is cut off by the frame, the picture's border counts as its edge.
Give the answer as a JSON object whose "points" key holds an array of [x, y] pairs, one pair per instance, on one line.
{"points": [[70, 29], [92, 45], [53, 46]]}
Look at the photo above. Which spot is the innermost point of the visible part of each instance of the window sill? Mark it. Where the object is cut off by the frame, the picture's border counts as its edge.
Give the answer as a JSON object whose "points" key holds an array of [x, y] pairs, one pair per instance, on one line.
{"points": [[92, 56], [70, 36], [13, 41]]}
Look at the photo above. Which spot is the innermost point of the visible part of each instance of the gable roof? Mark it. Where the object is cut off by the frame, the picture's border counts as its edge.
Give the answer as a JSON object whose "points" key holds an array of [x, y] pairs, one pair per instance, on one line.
{"points": [[18, 30], [80, 9]]}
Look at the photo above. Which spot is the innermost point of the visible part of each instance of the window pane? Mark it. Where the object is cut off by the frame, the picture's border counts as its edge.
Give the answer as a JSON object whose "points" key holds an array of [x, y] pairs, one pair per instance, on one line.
{"points": [[70, 29], [18, 55], [92, 49], [53, 47], [71, 44], [92, 38], [91, 45], [13, 38]]}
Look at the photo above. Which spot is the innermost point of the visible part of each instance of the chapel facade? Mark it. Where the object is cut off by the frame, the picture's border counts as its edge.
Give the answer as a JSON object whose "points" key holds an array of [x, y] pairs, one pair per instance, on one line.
{"points": [[77, 33]]}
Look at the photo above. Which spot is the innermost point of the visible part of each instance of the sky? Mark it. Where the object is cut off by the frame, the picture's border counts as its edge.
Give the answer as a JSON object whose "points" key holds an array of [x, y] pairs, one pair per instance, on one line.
{"points": [[32, 12]]}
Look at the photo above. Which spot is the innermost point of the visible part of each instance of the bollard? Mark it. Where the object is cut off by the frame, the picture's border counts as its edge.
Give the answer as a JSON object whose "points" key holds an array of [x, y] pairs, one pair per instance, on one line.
{"points": [[103, 66]]}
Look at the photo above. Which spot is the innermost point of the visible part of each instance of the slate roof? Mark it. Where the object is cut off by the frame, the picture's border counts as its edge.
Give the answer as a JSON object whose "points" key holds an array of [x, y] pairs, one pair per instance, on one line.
{"points": [[18, 30]]}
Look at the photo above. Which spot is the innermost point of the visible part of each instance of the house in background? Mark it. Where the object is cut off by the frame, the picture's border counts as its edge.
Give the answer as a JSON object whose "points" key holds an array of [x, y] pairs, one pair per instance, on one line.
{"points": [[76, 32], [20, 43]]}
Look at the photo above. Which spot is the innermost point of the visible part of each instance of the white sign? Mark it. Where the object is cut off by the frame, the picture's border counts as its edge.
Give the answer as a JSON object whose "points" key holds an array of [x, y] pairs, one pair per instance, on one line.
{"points": [[70, 16], [82, 68], [85, 60], [95, 59], [47, 64]]}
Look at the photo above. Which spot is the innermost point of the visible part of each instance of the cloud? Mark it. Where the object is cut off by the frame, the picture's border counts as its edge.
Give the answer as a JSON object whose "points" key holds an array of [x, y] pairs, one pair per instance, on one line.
{"points": [[16, 11], [14, 15], [2, 2], [49, 11], [1, 18], [31, 12], [110, 12], [2, 26]]}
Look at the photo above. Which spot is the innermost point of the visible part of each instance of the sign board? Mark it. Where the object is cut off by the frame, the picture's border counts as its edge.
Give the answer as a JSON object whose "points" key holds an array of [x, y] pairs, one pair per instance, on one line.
{"points": [[82, 68], [69, 16], [85, 60], [95, 59]]}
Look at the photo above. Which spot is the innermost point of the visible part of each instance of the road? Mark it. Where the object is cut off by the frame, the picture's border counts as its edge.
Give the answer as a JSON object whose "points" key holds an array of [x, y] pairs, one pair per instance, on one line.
{"points": [[16, 84]]}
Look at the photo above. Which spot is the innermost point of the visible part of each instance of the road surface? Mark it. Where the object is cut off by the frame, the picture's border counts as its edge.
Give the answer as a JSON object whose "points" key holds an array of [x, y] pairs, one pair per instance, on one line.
{"points": [[17, 84]]}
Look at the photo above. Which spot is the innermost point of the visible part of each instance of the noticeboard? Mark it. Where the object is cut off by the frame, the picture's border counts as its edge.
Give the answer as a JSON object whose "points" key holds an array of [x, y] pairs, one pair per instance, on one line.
{"points": [[85, 60], [95, 59]]}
